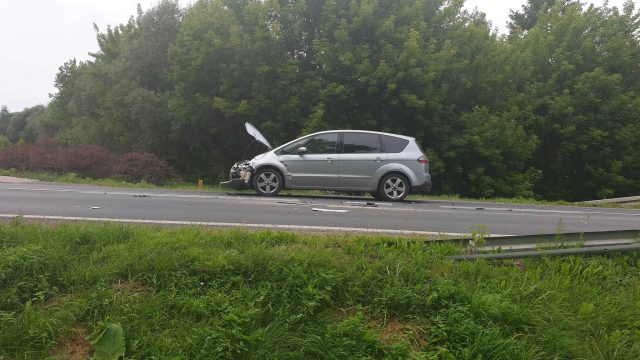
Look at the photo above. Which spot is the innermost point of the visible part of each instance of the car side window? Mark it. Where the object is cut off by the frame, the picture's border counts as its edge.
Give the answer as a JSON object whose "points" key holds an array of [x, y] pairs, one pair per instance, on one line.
{"points": [[358, 143], [323, 144], [394, 144]]}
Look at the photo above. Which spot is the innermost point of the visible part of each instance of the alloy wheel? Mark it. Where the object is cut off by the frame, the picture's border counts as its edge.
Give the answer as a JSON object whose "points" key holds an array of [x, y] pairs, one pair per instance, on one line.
{"points": [[395, 188], [268, 182]]}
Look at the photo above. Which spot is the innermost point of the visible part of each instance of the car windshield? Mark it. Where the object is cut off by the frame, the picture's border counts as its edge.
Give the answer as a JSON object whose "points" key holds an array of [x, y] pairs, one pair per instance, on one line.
{"points": [[291, 148]]}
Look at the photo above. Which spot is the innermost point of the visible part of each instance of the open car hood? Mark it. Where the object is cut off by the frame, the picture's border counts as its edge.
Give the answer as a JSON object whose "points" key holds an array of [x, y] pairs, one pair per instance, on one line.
{"points": [[257, 135]]}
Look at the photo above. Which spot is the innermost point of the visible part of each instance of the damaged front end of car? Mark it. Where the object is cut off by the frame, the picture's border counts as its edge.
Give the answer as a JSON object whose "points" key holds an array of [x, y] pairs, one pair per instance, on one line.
{"points": [[240, 176]]}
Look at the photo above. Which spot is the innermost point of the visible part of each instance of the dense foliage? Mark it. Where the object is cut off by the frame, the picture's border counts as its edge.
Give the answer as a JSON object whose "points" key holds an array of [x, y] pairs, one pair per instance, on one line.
{"points": [[86, 161], [199, 294], [551, 109]]}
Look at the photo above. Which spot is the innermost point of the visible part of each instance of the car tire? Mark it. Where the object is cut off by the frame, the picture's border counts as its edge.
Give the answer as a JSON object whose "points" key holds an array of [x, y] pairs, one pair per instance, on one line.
{"points": [[393, 187], [267, 182]]}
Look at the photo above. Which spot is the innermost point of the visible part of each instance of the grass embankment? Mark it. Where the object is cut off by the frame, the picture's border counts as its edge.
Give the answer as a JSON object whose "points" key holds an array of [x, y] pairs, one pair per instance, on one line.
{"points": [[191, 293]]}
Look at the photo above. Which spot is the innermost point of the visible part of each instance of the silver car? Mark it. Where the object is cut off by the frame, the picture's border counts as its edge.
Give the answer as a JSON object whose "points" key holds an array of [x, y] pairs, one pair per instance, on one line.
{"points": [[388, 166]]}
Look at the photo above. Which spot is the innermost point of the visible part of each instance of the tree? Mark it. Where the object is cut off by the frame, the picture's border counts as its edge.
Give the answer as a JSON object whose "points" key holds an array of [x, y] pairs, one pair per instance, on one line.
{"points": [[4, 119], [551, 110], [119, 100], [579, 95], [4, 142], [491, 156], [527, 18], [17, 127], [237, 61]]}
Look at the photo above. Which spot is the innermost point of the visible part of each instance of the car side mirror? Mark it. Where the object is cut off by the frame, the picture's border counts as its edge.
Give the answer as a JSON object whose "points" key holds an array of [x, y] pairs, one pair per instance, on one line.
{"points": [[301, 150]]}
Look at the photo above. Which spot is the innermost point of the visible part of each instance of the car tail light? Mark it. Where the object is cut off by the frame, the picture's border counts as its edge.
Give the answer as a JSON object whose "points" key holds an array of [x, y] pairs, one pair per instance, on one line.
{"points": [[423, 159]]}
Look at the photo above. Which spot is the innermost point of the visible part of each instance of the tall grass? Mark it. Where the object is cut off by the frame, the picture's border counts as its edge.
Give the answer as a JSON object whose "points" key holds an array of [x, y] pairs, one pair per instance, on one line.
{"points": [[192, 293]]}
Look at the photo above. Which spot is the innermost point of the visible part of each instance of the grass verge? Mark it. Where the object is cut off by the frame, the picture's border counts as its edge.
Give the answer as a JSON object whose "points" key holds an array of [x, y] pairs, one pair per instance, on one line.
{"points": [[193, 293]]}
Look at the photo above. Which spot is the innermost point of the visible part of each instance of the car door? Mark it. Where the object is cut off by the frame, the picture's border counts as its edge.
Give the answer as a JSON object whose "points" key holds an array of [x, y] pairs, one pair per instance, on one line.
{"points": [[360, 157], [316, 168]]}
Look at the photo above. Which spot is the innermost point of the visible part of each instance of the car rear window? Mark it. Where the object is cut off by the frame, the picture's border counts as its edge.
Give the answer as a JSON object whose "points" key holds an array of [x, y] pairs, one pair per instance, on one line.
{"points": [[357, 143], [393, 144]]}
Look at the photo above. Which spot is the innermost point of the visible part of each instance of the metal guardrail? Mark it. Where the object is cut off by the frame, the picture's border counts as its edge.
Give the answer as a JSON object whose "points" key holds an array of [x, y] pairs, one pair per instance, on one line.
{"points": [[596, 250], [561, 244], [629, 200], [582, 239]]}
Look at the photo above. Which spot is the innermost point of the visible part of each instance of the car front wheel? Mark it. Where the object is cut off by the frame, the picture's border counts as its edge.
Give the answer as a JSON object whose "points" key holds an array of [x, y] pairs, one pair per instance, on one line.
{"points": [[267, 182], [393, 187]]}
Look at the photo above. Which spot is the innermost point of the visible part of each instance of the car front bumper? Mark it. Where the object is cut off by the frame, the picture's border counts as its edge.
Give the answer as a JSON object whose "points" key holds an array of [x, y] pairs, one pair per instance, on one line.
{"points": [[236, 184], [240, 176]]}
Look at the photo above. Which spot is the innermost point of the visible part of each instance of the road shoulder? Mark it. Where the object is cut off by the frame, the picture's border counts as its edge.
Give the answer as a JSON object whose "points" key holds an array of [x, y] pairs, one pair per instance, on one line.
{"points": [[15, 180]]}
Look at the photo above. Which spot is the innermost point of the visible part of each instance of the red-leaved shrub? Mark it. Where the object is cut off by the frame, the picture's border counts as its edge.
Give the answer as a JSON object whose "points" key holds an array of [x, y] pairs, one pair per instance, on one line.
{"points": [[136, 167], [41, 156], [15, 157], [88, 161]]}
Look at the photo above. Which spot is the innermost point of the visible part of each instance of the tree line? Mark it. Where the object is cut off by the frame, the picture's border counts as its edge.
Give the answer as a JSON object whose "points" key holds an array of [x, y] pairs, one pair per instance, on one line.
{"points": [[551, 109]]}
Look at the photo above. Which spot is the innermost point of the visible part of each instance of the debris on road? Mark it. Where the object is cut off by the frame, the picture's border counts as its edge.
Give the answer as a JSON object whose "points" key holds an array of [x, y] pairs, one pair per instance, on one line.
{"points": [[95, 207], [361, 203], [303, 203], [329, 210]]}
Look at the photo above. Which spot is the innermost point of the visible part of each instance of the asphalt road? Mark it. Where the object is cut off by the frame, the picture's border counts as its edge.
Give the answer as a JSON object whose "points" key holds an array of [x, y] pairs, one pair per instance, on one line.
{"points": [[73, 202]]}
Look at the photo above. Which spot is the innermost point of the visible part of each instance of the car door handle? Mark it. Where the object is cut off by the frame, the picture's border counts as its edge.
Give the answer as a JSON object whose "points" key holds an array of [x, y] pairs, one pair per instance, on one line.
{"points": [[329, 160], [378, 159]]}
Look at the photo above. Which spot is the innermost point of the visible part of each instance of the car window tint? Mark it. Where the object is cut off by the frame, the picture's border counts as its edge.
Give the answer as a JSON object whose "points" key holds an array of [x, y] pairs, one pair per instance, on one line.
{"points": [[356, 143], [291, 148], [322, 144], [393, 144]]}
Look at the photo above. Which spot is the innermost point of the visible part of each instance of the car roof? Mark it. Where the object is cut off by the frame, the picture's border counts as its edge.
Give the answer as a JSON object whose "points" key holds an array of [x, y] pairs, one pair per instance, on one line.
{"points": [[409, 138], [364, 131]]}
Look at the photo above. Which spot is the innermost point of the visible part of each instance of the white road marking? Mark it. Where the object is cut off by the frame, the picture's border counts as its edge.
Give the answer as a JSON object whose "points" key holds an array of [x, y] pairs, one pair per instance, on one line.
{"points": [[243, 225]]}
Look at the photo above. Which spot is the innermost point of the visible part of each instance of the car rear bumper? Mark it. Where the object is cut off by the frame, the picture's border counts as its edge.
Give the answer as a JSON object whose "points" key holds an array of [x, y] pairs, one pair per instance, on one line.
{"points": [[423, 188]]}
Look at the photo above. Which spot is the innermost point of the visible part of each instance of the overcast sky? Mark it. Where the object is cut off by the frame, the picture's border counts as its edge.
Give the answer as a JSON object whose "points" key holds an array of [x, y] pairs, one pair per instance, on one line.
{"points": [[37, 36]]}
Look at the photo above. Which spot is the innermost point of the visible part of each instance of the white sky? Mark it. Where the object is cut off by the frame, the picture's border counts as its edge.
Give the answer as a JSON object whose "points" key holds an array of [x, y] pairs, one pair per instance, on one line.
{"points": [[37, 36]]}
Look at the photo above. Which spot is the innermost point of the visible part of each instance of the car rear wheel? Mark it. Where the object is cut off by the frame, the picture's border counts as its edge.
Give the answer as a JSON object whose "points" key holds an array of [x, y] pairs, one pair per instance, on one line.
{"points": [[393, 187], [267, 182]]}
